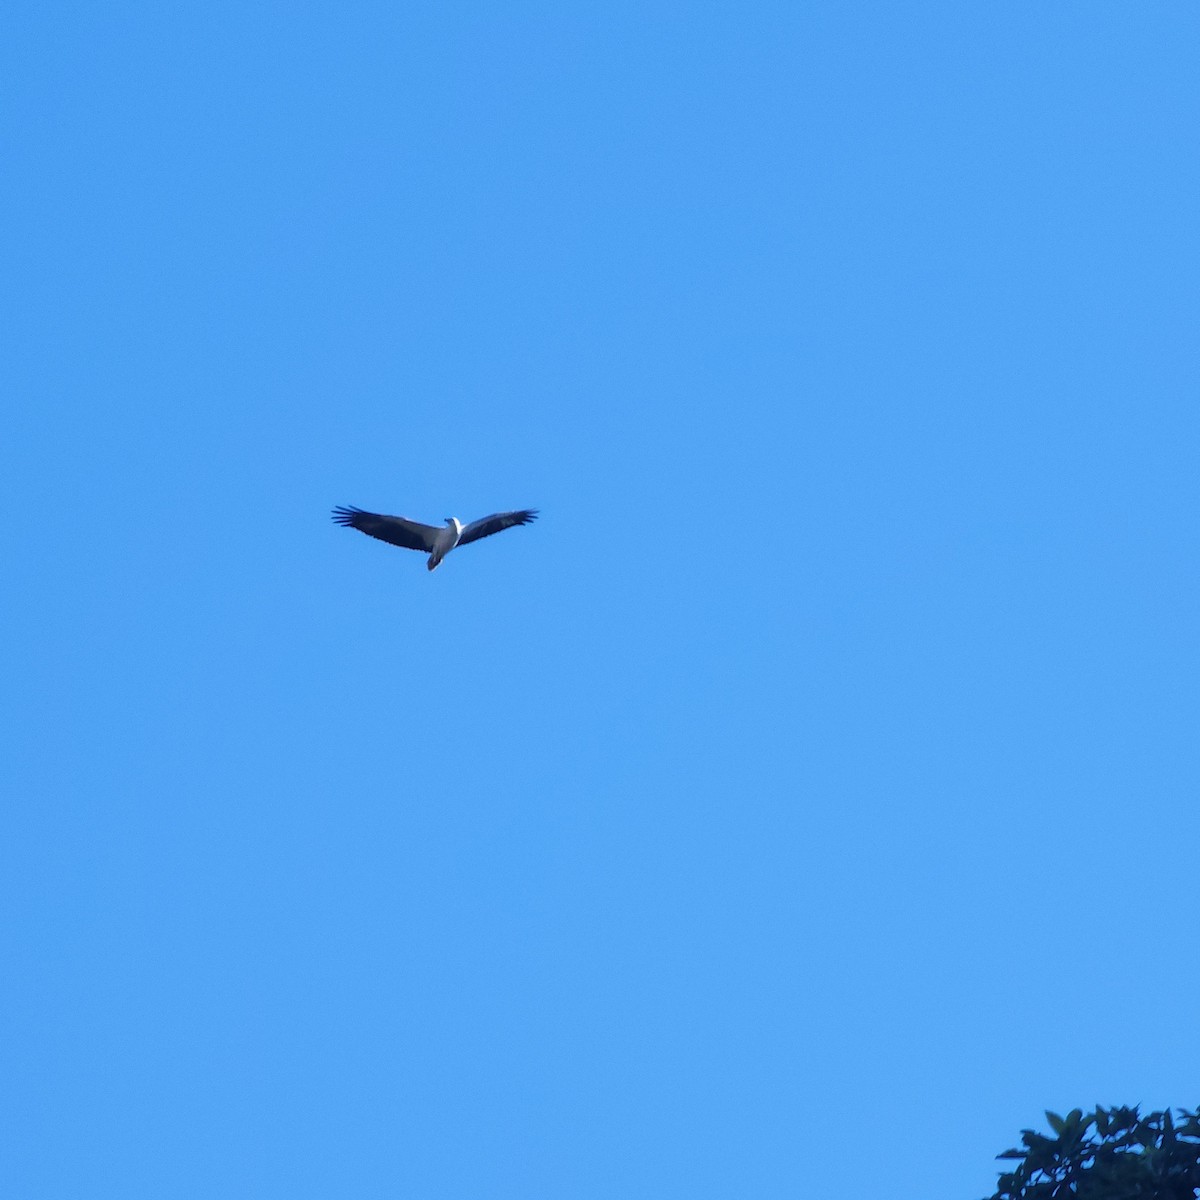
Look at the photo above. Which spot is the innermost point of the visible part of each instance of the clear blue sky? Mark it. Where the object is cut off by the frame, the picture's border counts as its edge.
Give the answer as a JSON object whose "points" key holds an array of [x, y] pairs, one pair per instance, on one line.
{"points": [[804, 803]]}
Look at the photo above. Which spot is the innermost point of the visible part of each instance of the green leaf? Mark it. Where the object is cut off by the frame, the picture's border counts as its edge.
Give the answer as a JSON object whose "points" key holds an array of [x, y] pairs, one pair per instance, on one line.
{"points": [[1056, 1122]]}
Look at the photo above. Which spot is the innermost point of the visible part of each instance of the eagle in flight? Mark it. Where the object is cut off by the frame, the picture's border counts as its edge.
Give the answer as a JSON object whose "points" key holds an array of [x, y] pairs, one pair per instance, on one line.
{"points": [[436, 541]]}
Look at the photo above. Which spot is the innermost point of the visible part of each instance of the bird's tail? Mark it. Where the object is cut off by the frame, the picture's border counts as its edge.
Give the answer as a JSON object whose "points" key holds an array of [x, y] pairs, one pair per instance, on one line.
{"points": [[434, 560]]}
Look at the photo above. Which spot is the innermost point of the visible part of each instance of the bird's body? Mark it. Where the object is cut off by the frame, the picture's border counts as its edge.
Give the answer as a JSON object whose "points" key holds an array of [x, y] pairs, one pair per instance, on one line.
{"points": [[436, 541], [445, 541]]}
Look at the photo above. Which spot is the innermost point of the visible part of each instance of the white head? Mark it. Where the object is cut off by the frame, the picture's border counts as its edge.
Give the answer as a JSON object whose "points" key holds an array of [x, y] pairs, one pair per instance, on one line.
{"points": [[454, 521]]}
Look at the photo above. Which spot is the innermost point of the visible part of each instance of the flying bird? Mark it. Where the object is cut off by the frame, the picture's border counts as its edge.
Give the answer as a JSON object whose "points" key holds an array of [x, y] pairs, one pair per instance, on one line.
{"points": [[433, 540]]}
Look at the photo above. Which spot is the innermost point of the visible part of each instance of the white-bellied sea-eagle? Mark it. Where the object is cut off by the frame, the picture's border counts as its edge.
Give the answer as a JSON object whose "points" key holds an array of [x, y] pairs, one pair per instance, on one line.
{"points": [[433, 540]]}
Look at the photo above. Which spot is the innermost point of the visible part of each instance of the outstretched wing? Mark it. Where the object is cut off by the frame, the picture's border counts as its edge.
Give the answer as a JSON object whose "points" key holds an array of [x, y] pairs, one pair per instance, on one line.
{"points": [[486, 526], [400, 531]]}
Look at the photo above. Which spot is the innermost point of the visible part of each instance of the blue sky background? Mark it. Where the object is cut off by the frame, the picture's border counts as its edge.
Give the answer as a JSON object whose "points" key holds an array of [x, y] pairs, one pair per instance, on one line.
{"points": [[799, 808]]}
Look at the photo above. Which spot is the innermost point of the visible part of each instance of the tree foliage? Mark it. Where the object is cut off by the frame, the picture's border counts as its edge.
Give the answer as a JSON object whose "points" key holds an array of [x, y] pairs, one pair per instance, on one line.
{"points": [[1110, 1154]]}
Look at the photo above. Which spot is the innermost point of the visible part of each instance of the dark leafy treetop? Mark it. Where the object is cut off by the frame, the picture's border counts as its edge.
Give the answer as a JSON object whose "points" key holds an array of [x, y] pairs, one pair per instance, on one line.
{"points": [[1110, 1154]]}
